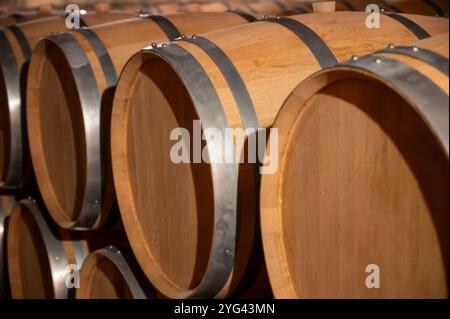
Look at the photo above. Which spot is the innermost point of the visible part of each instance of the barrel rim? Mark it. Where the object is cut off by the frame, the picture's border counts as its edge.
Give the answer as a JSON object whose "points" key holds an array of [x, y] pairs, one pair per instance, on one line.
{"points": [[222, 254], [122, 262], [394, 65], [271, 207], [57, 257], [83, 76], [10, 71]]}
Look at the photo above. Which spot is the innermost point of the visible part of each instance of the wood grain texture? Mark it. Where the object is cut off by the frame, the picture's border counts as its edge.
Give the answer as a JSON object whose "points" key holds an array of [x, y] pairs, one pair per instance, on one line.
{"points": [[172, 238], [271, 61], [22, 16], [59, 155], [29, 270], [61, 169], [362, 180], [402, 6], [32, 31]]}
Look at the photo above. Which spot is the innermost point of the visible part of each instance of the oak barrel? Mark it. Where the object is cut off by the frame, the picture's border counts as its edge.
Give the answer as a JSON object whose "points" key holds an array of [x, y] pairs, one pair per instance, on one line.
{"points": [[18, 17], [22, 16], [38, 254], [16, 43], [7, 202], [191, 224], [427, 7], [78, 192], [113, 273], [363, 179]]}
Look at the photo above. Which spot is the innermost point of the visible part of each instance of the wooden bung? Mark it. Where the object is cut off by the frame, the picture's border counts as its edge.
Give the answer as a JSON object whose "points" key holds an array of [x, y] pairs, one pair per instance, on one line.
{"points": [[218, 6], [324, 6], [181, 218], [16, 43], [362, 185], [102, 7], [61, 97], [46, 9], [113, 273], [7, 202]]}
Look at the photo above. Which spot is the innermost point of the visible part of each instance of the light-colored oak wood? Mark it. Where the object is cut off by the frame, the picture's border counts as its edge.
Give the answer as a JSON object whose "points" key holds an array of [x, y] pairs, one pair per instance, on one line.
{"points": [[403, 6], [324, 6], [33, 4], [362, 180], [55, 121], [21, 16], [153, 191], [33, 31]]}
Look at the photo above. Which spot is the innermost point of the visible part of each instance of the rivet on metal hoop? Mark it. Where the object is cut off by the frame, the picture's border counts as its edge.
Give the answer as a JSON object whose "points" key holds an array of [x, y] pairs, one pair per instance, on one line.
{"points": [[415, 49], [378, 61], [355, 58], [391, 46]]}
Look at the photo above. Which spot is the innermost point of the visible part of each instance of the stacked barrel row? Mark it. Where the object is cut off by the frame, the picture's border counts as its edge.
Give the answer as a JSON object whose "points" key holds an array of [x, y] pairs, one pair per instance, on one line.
{"points": [[354, 179], [34, 9]]}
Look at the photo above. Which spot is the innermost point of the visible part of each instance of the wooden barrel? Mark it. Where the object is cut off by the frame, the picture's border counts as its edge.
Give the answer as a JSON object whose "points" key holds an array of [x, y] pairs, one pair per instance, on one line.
{"points": [[16, 43], [253, 7], [213, 6], [113, 273], [232, 78], [425, 7], [12, 18], [362, 184], [32, 4], [79, 191], [266, 7], [6, 204], [39, 254], [23, 16]]}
